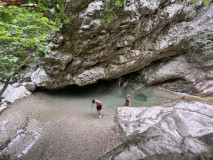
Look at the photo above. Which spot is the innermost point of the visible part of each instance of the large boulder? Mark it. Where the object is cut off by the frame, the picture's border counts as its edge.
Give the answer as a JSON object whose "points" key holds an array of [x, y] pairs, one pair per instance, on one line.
{"points": [[175, 130], [87, 50]]}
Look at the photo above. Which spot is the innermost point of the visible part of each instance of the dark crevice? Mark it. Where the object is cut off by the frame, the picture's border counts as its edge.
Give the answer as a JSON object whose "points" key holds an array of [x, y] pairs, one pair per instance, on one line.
{"points": [[101, 86]]}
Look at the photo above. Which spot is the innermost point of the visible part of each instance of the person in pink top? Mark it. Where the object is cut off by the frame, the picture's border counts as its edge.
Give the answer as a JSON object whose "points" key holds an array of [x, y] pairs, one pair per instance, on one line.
{"points": [[128, 101], [98, 106]]}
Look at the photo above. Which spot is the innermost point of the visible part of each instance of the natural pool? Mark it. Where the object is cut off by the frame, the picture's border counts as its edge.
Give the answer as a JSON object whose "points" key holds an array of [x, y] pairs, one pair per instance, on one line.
{"points": [[76, 101]]}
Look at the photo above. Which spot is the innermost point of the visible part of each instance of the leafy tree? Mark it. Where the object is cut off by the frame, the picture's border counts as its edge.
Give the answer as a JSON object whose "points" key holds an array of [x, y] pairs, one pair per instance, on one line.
{"points": [[111, 6], [59, 10], [43, 5], [197, 44], [20, 38], [204, 1]]}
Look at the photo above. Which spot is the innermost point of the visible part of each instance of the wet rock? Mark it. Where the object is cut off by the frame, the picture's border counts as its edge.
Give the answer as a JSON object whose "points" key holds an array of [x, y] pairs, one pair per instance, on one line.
{"points": [[142, 32], [175, 129]]}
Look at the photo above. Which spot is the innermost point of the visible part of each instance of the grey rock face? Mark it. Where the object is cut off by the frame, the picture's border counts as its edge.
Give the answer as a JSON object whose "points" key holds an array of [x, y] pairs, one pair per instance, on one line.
{"points": [[171, 129], [87, 50], [195, 70], [30, 86], [13, 93]]}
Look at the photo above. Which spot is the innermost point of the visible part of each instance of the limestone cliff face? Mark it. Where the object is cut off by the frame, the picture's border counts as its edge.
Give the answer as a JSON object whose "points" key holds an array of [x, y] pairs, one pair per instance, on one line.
{"points": [[86, 50]]}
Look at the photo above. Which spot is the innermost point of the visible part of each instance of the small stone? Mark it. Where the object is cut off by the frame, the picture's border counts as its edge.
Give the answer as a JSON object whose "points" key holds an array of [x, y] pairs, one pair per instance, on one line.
{"points": [[4, 123], [20, 131]]}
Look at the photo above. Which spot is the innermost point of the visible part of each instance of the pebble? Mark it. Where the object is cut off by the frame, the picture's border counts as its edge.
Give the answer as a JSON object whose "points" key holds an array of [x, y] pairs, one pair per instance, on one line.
{"points": [[4, 123]]}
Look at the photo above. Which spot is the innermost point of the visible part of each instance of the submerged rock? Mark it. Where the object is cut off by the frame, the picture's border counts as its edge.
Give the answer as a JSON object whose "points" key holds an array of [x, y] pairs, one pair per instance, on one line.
{"points": [[86, 50], [176, 130]]}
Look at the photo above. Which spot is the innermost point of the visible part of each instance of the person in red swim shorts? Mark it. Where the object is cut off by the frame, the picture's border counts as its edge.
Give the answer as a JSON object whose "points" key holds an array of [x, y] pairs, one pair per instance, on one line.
{"points": [[98, 106]]}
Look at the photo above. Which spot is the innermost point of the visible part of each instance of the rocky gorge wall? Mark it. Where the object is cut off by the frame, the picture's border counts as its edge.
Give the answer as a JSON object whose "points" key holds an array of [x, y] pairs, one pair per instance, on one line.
{"points": [[87, 50]]}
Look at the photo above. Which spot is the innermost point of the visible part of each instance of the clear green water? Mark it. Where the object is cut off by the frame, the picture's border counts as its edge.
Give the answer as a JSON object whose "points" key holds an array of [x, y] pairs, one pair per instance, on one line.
{"points": [[76, 101]]}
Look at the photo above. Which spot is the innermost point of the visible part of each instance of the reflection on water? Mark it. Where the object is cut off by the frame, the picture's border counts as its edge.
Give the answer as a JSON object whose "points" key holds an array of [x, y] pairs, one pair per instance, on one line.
{"points": [[76, 101]]}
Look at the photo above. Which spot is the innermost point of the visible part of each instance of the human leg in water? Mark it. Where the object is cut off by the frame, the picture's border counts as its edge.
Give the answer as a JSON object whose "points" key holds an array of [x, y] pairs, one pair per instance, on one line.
{"points": [[99, 110]]}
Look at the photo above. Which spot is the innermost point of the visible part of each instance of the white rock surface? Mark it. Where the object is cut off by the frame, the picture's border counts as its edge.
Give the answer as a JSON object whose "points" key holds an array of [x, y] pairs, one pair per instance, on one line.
{"points": [[175, 127], [12, 94]]}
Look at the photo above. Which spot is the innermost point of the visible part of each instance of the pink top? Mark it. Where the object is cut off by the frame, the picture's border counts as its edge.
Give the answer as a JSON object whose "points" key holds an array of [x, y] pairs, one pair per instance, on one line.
{"points": [[98, 103], [128, 101]]}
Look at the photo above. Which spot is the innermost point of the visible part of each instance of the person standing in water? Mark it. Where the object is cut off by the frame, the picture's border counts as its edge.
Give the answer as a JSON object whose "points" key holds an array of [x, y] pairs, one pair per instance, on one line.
{"points": [[128, 101], [98, 106]]}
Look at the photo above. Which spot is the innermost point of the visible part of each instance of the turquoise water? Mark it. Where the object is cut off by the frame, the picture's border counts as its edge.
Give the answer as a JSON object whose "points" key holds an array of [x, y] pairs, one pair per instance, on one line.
{"points": [[77, 101]]}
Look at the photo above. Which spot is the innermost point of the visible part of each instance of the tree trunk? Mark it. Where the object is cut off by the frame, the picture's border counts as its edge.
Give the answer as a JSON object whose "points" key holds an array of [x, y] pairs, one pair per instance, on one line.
{"points": [[5, 86], [8, 79]]}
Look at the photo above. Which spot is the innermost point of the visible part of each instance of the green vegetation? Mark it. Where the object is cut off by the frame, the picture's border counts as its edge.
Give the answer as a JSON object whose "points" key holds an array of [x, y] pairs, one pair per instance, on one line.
{"points": [[59, 11], [195, 46], [110, 8], [204, 1], [20, 38], [5, 156]]}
